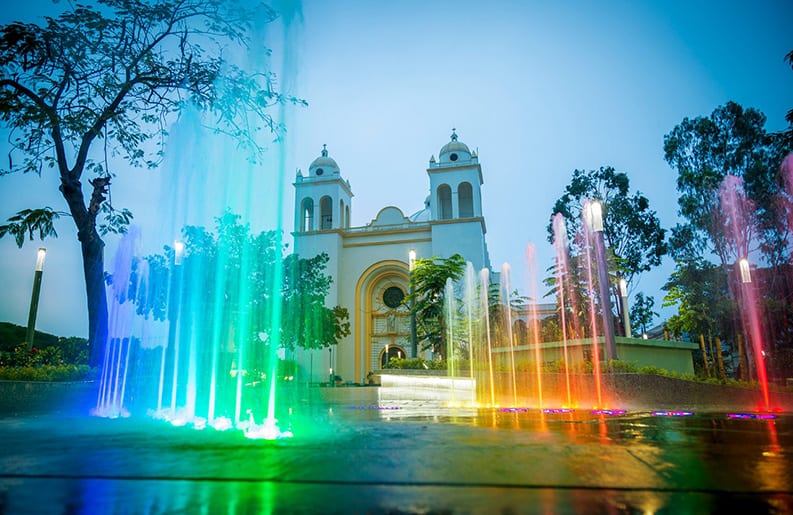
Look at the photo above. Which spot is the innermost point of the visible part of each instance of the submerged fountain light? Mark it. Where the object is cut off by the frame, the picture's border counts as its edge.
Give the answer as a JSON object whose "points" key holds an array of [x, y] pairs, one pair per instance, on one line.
{"points": [[758, 416], [374, 407], [609, 412], [673, 413], [557, 410]]}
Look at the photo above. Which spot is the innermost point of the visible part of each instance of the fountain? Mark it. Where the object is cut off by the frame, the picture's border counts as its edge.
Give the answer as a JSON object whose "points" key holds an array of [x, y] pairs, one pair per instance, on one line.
{"points": [[190, 341]]}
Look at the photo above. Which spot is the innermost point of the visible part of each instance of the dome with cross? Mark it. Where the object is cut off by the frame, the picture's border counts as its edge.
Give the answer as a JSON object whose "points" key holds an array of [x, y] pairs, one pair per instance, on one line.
{"points": [[454, 151], [323, 165]]}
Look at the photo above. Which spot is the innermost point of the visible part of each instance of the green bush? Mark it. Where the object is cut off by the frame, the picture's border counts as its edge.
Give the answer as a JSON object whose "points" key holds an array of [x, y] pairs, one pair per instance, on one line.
{"points": [[621, 367], [49, 373], [415, 364]]}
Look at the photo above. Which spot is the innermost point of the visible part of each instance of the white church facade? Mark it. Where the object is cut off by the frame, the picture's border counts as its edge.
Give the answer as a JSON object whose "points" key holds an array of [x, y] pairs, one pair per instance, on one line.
{"points": [[370, 264]]}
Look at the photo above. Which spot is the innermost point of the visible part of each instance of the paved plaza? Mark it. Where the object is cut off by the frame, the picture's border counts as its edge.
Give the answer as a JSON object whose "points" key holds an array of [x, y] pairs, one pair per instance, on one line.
{"points": [[361, 459]]}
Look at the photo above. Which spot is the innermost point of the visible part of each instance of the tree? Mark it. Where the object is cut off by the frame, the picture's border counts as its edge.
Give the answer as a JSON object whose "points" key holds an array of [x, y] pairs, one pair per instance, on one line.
{"points": [[307, 323], [428, 293], [103, 81], [632, 231], [214, 271], [786, 137], [641, 313], [700, 291], [703, 151], [705, 310]]}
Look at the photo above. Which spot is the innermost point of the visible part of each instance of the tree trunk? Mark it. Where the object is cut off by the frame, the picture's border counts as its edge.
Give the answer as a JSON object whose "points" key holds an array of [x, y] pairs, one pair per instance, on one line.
{"points": [[93, 251], [721, 359], [93, 269], [704, 355]]}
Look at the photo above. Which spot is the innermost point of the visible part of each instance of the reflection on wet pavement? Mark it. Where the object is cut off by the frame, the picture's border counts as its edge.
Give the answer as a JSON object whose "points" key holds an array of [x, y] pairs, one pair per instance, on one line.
{"points": [[354, 459]]}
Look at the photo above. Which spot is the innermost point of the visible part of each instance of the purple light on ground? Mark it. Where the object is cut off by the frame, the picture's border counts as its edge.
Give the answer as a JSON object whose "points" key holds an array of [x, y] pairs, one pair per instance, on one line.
{"points": [[609, 412], [673, 413], [756, 416]]}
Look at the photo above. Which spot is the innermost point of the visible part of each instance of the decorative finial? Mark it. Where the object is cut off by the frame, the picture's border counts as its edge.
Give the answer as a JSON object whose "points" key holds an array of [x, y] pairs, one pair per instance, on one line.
{"points": [[324, 150], [454, 134]]}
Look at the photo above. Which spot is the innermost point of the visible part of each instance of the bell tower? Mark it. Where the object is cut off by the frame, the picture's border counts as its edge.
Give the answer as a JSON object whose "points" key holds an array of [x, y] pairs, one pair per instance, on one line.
{"points": [[322, 198], [458, 225]]}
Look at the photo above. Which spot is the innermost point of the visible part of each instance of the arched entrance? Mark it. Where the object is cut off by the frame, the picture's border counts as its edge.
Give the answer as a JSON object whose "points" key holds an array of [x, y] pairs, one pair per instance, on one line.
{"points": [[392, 352], [384, 328]]}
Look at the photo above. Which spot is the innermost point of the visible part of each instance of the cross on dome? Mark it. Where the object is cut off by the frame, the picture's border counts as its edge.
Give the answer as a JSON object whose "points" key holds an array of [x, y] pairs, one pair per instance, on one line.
{"points": [[454, 134]]}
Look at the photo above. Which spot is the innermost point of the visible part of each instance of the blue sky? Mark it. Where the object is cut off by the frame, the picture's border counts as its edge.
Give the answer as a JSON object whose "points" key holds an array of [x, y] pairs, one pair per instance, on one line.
{"points": [[539, 88]]}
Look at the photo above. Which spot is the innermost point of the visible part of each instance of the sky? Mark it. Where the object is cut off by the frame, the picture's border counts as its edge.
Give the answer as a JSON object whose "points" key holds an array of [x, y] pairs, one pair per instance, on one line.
{"points": [[537, 88]]}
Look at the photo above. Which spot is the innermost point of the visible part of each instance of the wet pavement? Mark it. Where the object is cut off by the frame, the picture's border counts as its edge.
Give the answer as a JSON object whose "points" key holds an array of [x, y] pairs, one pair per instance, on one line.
{"points": [[359, 459]]}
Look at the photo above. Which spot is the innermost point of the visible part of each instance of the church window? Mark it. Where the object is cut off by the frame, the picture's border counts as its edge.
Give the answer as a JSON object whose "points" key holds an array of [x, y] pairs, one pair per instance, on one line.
{"points": [[325, 213], [307, 214], [393, 296], [465, 196], [347, 216], [444, 202], [342, 219], [453, 157]]}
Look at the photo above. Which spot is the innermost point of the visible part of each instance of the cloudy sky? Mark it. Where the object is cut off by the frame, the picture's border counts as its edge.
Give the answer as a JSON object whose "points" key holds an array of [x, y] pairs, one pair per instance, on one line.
{"points": [[539, 88]]}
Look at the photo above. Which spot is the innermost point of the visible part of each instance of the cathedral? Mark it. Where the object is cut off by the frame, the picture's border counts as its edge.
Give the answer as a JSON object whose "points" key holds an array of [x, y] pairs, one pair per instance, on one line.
{"points": [[370, 264]]}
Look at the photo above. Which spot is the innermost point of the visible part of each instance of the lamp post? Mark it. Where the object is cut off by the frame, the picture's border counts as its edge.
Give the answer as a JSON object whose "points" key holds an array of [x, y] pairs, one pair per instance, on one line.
{"points": [[752, 317], [626, 318], [34, 298], [330, 367], [173, 318], [596, 217], [413, 338]]}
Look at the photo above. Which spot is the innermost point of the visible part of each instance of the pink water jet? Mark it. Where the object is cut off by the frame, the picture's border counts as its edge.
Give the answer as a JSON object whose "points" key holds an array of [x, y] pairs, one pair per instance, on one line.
{"points": [[531, 263], [738, 230], [562, 273], [588, 243]]}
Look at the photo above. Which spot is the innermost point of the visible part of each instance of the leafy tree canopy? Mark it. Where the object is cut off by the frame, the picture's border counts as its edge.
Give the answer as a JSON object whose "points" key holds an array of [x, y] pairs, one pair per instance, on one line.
{"points": [[703, 151], [98, 84], [229, 273], [700, 291], [631, 229], [428, 292]]}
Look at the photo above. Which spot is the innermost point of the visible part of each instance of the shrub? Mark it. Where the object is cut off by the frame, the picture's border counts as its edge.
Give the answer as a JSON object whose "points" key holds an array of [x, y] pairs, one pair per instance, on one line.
{"points": [[415, 364], [49, 373], [621, 367]]}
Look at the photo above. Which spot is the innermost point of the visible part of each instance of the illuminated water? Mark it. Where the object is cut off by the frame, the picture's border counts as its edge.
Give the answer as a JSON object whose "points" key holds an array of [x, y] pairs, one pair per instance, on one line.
{"points": [[355, 458], [193, 338], [735, 207]]}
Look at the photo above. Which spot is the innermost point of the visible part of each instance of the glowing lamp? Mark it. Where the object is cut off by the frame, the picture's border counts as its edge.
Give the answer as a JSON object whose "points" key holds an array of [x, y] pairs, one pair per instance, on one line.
{"points": [[411, 259], [623, 288], [746, 276], [596, 216], [40, 255], [178, 249]]}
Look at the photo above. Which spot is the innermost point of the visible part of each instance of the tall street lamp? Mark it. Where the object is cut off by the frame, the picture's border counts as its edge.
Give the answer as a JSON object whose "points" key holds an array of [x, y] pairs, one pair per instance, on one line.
{"points": [[413, 338], [34, 298], [626, 318], [750, 313], [596, 212], [173, 319]]}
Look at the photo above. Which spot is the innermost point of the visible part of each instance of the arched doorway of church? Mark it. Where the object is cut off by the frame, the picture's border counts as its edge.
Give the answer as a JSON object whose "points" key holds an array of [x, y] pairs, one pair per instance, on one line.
{"points": [[383, 332], [391, 352]]}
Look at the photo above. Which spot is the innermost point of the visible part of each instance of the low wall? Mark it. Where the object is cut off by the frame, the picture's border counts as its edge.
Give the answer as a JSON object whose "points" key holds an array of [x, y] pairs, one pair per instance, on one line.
{"points": [[627, 391], [34, 397], [648, 391]]}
